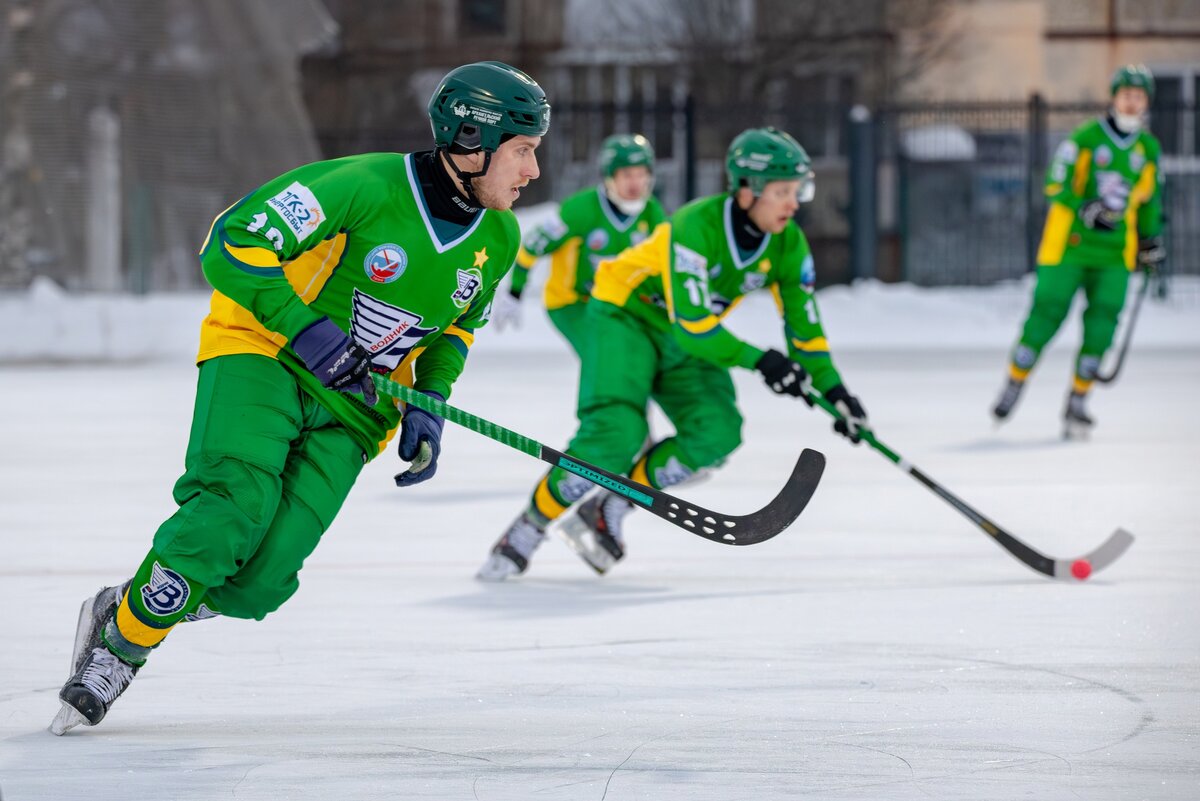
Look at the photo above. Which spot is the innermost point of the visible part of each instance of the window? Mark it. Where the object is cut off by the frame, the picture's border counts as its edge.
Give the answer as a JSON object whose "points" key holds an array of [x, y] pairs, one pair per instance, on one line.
{"points": [[1175, 115]]}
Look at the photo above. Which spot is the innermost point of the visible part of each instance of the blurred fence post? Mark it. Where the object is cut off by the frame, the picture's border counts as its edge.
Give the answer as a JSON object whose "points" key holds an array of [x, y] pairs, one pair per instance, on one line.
{"points": [[689, 138], [864, 233], [1034, 170], [103, 226]]}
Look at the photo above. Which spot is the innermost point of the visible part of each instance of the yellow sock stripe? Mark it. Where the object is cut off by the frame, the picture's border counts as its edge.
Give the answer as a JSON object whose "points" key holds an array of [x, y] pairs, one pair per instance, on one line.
{"points": [[135, 630], [639, 473], [1017, 373], [545, 502], [1080, 386]]}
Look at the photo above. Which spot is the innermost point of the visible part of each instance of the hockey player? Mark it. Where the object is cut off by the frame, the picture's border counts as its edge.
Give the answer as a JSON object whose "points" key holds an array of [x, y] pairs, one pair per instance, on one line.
{"points": [[656, 332], [592, 224], [382, 262], [1104, 221]]}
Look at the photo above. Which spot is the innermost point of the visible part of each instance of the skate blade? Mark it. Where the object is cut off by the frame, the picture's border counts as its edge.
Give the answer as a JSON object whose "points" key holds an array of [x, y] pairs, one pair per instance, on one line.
{"points": [[67, 718], [497, 568], [1076, 432], [579, 539]]}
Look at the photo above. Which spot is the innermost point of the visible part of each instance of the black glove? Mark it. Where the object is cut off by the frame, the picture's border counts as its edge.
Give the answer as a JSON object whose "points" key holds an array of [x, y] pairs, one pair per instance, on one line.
{"points": [[338, 362], [854, 416], [784, 376], [417, 428], [1151, 253], [1094, 214]]}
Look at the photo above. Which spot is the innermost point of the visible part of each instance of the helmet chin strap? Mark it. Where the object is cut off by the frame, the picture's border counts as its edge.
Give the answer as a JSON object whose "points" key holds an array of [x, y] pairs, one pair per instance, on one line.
{"points": [[467, 177]]}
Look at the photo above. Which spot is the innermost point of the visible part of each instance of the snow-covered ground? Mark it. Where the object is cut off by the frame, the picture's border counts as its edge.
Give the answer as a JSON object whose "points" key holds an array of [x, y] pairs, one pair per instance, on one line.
{"points": [[882, 647]]}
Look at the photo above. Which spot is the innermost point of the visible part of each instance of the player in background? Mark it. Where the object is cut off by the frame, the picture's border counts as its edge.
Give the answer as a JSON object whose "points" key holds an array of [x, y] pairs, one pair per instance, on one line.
{"points": [[590, 225], [1103, 222], [655, 321], [383, 262]]}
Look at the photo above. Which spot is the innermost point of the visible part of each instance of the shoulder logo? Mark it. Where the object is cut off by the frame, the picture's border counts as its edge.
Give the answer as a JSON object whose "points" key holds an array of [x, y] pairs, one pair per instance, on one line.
{"points": [[297, 206], [385, 263], [808, 273], [690, 262], [166, 592], [1137, 160], [469, 282], [387, 331]]}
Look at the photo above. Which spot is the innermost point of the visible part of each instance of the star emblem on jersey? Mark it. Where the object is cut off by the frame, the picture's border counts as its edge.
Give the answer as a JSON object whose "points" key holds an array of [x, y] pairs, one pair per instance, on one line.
{"points": [[385, 263], [469, 283], [387, 331], [481, 257]]}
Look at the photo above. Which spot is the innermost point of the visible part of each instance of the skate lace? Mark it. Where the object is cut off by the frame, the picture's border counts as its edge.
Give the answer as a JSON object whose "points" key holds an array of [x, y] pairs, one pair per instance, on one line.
{"points": [[613, 510], [106, 676], [524, 537]]}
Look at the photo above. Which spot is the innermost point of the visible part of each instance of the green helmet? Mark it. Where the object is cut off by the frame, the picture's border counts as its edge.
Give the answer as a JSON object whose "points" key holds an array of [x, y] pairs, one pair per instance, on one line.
{"points": [[625, 150], [758, 156], [1135, 75], [476, 105]]}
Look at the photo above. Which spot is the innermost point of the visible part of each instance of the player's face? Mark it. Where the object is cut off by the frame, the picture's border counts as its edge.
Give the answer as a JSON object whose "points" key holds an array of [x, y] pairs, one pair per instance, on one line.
{"points": [[632, 183], [776, 206], [1130, 100], [513, 166]]}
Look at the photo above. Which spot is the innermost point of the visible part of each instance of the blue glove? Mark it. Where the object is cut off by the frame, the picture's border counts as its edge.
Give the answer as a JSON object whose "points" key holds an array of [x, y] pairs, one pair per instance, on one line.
{"points": [[854, 416], [338, 362], [420, 443]]}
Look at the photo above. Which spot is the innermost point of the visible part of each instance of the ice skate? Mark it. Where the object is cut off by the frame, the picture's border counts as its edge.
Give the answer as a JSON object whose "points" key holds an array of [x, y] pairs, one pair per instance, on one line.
{"points": [[593, 530], [94, 613], [1007, 400], [511, 554], [90, 693], [1077, 423]]}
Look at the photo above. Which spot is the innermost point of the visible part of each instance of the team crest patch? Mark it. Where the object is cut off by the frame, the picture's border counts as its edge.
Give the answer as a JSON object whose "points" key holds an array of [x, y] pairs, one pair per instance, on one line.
{"points": [[1103, 156], [1137, 160], [597, 239], [166, 592], [387, 331], [752, 282], [385, 263], [469, 283], [297, 206]]}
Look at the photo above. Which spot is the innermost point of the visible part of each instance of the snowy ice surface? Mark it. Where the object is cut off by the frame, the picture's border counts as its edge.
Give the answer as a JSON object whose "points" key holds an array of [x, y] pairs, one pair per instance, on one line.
{"points": [[881, 648]]}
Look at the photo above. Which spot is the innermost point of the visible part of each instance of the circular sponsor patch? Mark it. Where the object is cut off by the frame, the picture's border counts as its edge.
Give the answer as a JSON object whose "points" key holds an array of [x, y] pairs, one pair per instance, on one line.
{"points": [[1103, 156], [597, 239], [385, 263]]}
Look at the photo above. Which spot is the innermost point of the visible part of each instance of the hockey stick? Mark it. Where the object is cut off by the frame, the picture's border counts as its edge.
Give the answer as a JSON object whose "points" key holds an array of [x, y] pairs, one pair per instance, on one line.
{"points": [[1133, 315], [1079, 569], [727, 529]]}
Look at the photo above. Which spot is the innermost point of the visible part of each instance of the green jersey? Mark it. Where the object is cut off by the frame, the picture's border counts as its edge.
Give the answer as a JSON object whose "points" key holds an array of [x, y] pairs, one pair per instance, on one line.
{"points": [[583, 231], [353, 239], [1098, 162], [691, 273]]}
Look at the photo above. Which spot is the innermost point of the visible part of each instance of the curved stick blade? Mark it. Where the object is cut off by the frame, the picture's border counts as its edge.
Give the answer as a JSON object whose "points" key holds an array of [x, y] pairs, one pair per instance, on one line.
{"points": [[1101, 557]]}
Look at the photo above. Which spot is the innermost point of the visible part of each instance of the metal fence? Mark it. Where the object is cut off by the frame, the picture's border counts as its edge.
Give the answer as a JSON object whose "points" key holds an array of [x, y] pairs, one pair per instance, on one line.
{"points": [[967, 195], [942, 194]]}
